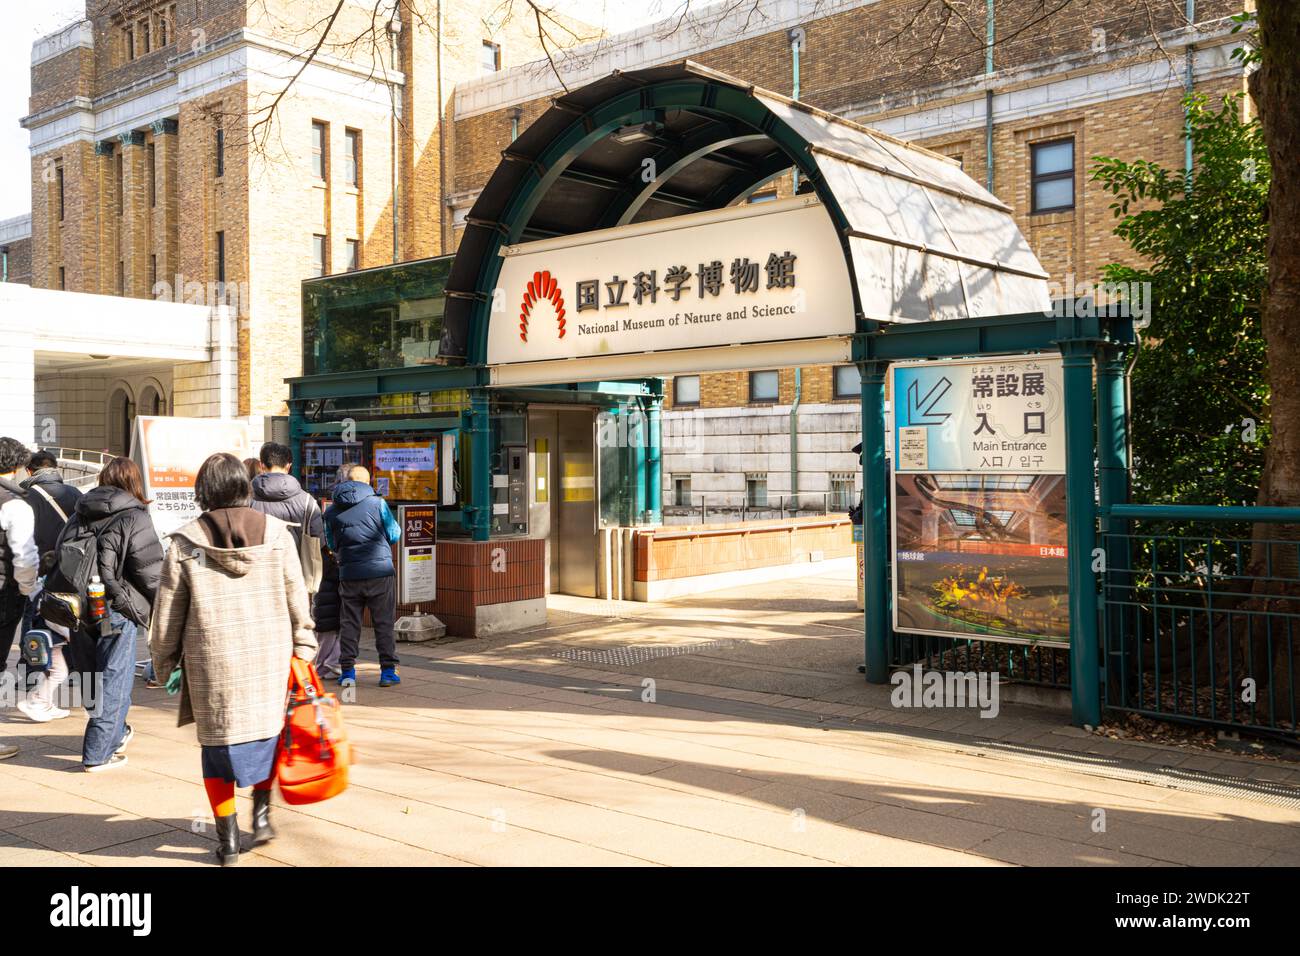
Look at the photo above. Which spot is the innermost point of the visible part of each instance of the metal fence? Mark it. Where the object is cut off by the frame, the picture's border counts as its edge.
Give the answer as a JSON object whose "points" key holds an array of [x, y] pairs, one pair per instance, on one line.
{"points": [[1022, 663], [723, 507], [1201, 621]]}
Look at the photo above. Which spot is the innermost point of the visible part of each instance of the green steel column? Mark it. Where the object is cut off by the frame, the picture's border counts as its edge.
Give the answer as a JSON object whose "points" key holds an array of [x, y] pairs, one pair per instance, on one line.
{"points": [[1112, 471], [875, 530], [637, 458], [480, 466], [1081, 536], [654, 461]]}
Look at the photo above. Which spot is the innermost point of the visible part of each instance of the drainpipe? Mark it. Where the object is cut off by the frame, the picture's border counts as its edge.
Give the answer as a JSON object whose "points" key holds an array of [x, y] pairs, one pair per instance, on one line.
{"points": [[797, 37], [988, 94], [394, 28], [1189, 54]]}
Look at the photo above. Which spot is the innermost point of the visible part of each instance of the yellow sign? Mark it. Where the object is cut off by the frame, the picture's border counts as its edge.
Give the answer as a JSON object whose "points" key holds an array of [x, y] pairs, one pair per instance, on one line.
{"points": [[407, 470]]}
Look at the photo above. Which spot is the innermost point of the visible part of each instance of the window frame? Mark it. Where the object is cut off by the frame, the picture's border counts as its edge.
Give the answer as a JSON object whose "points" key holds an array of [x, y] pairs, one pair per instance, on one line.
{"points": [[753, 478], [496, 58], [680, 403], [836, 394], [320, 156], [61, 187], [322, 261], [776, 396], [352, 157], [221, 256], [219, 146], [353, 248], [1059, 176]]}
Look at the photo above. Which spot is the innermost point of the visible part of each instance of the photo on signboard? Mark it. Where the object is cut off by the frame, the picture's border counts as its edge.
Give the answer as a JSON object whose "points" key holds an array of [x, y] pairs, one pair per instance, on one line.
{"points": [[981, 555]]}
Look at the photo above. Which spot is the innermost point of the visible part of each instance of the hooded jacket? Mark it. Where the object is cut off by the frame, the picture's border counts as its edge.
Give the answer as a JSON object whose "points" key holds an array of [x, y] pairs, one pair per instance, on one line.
{"points": [[360, 530], [19, 558], [130, 554], [232, 609], [281, 496], [48, 521]]}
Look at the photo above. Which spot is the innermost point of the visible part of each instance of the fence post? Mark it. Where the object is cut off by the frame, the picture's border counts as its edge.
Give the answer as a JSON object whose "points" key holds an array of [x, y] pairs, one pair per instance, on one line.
{"points": [[875, 532], [1081, 536]]}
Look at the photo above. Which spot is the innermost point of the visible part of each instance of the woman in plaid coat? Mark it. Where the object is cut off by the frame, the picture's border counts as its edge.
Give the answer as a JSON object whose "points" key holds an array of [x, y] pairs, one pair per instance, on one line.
{"points": [[231, 611]]}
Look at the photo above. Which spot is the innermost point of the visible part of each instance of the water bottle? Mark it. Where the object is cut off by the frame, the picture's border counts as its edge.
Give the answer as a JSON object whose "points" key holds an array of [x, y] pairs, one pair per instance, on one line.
{"points": [[98, 601]]}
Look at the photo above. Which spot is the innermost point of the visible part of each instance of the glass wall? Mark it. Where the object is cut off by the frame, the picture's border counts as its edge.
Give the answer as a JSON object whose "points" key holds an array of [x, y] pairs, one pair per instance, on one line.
{"points": [[388, 317]]}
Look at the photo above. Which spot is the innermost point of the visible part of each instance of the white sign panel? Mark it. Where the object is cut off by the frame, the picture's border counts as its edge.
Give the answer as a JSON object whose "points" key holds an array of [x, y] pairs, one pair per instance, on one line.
{"points": [[767, 272], [988, 416], [169, 452]]}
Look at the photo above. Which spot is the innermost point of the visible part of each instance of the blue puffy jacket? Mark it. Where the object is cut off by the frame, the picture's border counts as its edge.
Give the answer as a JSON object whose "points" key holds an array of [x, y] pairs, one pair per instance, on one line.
{"points": [[359, 528]]}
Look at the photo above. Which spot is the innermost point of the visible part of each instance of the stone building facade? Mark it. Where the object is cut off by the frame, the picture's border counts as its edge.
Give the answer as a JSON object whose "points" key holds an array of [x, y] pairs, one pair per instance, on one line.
{"points": [[183, 151]]}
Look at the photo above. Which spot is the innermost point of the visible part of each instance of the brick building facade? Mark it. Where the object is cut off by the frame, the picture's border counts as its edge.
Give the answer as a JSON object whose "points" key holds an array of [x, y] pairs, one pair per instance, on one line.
{"points": [[126, 111]]}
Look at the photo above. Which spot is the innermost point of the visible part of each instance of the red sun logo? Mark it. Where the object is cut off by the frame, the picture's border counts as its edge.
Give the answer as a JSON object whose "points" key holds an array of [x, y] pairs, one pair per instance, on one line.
{"points": [[542, 286]]}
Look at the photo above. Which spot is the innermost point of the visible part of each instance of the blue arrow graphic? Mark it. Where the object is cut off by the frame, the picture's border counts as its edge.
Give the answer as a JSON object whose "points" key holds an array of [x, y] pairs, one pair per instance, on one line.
{"points": [[920, 411]]}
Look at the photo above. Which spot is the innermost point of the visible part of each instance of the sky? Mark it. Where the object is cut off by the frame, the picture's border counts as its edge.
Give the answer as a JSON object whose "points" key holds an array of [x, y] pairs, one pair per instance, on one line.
{"points": [[27, 20]]}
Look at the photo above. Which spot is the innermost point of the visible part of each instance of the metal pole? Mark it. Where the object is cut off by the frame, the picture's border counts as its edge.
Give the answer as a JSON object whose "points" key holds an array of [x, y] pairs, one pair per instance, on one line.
{"points": [[654, 460], [1081, 536], [875, 533]]}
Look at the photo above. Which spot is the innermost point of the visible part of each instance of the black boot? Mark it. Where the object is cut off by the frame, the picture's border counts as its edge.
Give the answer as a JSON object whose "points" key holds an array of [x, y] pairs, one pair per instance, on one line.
{"points": [[227, 840], [262, 832]]}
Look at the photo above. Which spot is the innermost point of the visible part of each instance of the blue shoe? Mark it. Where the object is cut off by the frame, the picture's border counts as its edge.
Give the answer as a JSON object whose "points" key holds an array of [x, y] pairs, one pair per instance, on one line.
{"points": [[388, 677], [348, 677]]}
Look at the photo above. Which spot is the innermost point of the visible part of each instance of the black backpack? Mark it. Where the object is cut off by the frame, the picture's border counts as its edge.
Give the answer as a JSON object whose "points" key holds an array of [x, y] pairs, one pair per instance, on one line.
{"points": [[75, 561]]}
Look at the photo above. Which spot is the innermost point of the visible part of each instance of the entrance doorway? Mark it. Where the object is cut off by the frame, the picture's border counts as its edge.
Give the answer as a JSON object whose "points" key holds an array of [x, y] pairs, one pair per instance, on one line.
{"points": [[563, 503]]}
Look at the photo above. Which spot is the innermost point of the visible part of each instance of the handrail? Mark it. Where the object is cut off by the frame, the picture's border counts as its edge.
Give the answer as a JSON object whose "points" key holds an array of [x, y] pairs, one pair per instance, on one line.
{"points": [[1262, 515], [792, 524]]}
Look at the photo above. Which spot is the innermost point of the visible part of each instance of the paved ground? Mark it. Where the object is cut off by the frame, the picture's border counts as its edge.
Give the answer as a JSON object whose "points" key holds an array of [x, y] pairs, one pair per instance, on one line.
{"points": [[762, 745]]}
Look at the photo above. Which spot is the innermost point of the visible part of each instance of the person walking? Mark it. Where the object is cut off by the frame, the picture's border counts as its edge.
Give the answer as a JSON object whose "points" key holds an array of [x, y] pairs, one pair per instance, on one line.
{"points": [[278, 493], [232, 610], [129, 560], [19, 559], [360, 529], [53, 503]]}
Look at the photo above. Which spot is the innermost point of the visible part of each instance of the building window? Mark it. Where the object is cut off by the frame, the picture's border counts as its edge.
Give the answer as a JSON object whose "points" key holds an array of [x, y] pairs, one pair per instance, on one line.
{"points": [[762, 197], [318, 158], [128, 42], [490, 56], [354, 255], [121, 181], [319, 250], [58, 179], [756, 490], [221, 257], [220, 147], [682, 492], [153, 176], [848, 383], [142, 27], [841, 491], [686, 390], [153, 272], [121, 277], [63, 278], [763, 386], [162, 26], [1052, 177], [352, 158]]}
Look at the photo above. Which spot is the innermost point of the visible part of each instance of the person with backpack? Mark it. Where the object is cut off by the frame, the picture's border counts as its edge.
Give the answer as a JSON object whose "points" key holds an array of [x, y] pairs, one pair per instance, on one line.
{"points": [[360, 530], [109, 543], [19, 558], [232, 611]]}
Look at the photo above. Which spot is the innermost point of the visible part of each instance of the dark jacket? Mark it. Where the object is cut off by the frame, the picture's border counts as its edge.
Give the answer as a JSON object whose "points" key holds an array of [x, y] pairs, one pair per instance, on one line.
{"points": [[48, 522], [130, 554], [281, 496], [325, 605], [359, 529]]}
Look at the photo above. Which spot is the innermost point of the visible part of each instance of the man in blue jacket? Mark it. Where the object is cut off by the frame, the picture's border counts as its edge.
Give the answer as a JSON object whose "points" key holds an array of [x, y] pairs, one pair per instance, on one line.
{"points": [[359, 529]]}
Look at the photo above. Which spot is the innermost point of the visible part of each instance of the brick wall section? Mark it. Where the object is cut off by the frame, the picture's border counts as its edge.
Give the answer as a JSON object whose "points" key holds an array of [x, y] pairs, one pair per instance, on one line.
{"points": [[20, 261], [673, 552], [466, 580]]}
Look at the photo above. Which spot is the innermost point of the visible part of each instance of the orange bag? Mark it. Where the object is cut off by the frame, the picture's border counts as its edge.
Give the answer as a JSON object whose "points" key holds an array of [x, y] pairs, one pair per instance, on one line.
{"points": [[314, 751]]}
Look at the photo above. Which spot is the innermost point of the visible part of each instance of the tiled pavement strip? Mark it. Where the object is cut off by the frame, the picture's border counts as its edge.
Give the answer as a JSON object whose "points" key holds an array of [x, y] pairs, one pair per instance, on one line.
{"points": [[502, 751]]}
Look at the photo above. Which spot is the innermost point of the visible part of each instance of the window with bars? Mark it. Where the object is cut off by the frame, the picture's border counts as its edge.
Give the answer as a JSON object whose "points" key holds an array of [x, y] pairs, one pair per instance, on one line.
{"points": [[682, 491], [842, 496], [756, 490]]}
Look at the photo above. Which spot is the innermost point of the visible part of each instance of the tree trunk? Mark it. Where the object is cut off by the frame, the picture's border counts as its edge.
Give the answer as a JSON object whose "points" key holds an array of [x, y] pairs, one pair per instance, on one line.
{"points": [[1275, 88]]}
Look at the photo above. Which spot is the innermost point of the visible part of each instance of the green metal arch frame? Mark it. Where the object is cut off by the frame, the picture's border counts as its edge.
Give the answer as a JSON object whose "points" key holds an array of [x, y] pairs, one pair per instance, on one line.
{"points": [[704, 96]]}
